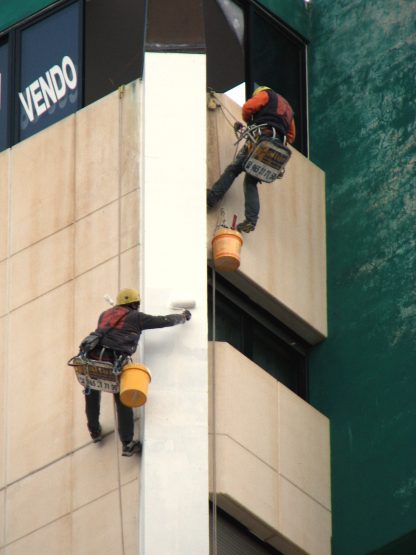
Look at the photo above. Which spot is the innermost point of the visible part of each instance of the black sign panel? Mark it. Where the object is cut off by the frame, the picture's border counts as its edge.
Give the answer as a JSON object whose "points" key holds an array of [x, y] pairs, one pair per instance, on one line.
{"points": [[4, 83], [51, 77]]}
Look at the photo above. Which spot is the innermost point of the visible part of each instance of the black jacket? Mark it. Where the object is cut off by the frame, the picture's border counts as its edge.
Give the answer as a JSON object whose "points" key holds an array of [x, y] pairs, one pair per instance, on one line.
{"points": [[123, 325]]}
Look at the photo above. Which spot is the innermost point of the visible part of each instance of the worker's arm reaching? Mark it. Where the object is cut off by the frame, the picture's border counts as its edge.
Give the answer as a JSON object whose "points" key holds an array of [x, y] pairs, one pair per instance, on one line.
{"points": [[124, 334], [148, 322]]}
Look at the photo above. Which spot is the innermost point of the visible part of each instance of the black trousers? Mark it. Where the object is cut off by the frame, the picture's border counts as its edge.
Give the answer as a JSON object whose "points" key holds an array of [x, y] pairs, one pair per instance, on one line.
{"points": [[251, 194], [125, 418]]}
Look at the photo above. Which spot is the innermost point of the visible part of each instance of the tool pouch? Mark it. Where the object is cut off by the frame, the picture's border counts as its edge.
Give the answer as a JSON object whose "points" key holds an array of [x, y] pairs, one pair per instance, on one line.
{"points": [[90, 342]]}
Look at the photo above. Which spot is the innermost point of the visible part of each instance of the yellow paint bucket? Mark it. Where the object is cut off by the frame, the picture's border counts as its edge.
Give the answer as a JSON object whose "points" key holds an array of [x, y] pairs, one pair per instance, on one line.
{"points": [[134, 382], [226, 246]]}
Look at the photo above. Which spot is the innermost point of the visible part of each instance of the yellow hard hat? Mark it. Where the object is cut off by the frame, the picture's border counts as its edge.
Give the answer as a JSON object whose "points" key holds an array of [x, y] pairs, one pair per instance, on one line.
{"points": [[259, 89], [127, 296]]}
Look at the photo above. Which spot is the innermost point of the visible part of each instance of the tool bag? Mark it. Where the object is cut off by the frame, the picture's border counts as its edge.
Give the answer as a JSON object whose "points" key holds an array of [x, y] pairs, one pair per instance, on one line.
{"points": [[90, 342], [97, 374], [267, 160]]}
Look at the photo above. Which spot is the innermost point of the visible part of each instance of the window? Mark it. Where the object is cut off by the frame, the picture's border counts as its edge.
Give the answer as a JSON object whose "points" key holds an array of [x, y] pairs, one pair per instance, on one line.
{"points": [[65, 57], [278, 60], [114, 40], [260, 50], [4, 94], [233, 538], [258, 335], [221, 37]]}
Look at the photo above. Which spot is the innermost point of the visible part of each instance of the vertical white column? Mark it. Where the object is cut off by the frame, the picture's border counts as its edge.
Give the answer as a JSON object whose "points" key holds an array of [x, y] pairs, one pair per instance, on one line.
{"points": [[174, 485]]}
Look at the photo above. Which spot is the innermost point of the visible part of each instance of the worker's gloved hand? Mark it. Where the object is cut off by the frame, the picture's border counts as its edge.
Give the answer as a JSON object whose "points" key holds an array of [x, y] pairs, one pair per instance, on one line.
{"points": [[237, 126], [187, 315]]}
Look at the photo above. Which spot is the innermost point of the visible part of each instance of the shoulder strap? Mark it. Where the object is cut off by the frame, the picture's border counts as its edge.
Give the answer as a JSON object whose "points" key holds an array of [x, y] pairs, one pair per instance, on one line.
{"points": [[104, 333]]}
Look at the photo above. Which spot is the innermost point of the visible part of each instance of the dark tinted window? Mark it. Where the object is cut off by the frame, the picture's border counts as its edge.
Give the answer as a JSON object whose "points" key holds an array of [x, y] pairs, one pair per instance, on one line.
{"points": [[247, 44], [272, 354], [277, 59], [114, 35], [258, 335], [4, 95], [51, 73], [225, 46], [232, 538]]}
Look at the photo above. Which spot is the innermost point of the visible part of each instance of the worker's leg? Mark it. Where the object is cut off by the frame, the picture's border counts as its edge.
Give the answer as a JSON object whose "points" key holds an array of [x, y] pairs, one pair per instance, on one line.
{"points": [[125, 420], [92, 410], [252, 200], [221, 186]]}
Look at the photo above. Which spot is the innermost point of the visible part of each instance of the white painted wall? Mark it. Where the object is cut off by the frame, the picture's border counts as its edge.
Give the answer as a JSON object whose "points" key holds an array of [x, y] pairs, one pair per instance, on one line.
{"points": [[174, 494]]}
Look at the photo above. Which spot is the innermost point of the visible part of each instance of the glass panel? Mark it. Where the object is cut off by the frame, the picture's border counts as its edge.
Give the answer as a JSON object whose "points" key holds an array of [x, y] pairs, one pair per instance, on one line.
{"points": [[51, 76], [235, 17], [275, 358], [277, 60], [4, 83], [228, 323], [224, 35], [235, 539]]}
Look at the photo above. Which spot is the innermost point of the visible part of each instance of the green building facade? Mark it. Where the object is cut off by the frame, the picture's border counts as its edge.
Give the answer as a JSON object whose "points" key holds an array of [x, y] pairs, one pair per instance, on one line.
{"points": [[362, 123], [12, 12], [362, 133]]}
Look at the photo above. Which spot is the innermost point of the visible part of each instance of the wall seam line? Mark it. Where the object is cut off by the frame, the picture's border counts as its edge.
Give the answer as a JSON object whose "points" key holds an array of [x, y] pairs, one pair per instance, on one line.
{"points": [[274, 470], [68, 226]]}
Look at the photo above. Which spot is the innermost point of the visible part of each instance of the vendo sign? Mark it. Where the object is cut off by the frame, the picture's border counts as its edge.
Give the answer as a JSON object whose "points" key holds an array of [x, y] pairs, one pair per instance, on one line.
{"points": [[51, 72], [46, 91]]}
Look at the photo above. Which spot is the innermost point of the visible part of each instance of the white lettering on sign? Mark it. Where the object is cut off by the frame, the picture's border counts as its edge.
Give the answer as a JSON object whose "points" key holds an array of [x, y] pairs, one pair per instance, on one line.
{"points": [[46, 91]]}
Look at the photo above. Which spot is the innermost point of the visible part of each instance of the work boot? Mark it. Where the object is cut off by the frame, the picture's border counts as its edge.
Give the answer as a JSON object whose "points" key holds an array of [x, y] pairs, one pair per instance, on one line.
{"points": [[246, 227], [211, 201], [96, 434], [131, 447]]}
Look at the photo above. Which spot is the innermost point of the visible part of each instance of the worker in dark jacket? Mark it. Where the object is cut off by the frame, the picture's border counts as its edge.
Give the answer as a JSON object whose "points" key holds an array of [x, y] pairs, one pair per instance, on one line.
{"points": [[265, 106], [119, 329]]}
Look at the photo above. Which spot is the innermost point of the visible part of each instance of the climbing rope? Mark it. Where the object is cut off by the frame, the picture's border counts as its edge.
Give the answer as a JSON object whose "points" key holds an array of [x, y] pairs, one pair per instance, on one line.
{"points": [[221, 217], [222, 107], [221, 221], [116, 441], [214, 525]]}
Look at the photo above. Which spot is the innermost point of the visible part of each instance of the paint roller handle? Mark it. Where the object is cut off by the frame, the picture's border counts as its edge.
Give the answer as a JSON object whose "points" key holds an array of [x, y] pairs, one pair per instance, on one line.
{"points": [[186, 315]]}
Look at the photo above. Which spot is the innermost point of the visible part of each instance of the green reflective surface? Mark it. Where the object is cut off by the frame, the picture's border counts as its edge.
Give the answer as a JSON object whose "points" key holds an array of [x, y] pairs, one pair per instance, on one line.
{"points": [[12, 11], [362, 129]]}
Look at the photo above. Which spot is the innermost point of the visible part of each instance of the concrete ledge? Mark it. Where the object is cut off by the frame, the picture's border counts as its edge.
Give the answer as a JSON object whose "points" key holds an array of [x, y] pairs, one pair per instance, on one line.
{"points": [[270, 452]]}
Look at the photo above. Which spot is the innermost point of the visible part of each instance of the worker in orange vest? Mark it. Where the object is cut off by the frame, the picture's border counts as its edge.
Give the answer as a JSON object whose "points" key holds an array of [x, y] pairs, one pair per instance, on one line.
{"points": [[264, 107]]}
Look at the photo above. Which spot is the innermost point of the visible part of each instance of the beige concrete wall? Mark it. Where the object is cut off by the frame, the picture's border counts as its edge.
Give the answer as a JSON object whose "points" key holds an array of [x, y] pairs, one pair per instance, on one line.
{"points": [[69, 202], [270, 456], [283, 262]]}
